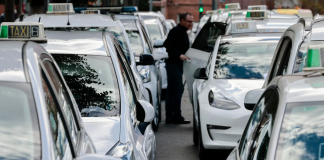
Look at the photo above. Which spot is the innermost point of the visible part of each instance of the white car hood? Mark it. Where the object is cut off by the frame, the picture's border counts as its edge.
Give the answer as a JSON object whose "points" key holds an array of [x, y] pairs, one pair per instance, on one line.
{"points": [[103, 131], [236, 89]]}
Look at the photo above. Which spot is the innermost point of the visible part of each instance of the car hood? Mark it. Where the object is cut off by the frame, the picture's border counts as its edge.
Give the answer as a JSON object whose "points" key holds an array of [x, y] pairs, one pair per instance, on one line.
{"points": [[103, 131], [236, 89]]}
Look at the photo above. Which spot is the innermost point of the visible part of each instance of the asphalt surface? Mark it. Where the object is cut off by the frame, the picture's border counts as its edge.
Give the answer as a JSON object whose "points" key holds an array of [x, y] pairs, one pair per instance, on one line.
{"points": [[174, 142]]}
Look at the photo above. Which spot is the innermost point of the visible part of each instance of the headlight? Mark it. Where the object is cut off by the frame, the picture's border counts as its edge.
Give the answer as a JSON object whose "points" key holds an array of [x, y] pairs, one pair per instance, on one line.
{"points": [[219, 101], [145, 74], [122, 151]]}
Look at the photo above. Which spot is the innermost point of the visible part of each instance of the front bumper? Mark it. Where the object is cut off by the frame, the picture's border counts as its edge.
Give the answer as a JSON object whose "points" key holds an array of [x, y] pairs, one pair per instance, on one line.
{"points": [[228, 126]]}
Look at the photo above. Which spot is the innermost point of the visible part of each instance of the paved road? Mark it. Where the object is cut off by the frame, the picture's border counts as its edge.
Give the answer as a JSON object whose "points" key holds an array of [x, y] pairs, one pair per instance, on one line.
{"points": [[174, 142]]}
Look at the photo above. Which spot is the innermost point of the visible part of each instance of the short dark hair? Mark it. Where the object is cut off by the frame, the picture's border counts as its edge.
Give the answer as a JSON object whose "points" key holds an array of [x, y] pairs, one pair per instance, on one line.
{"points": [[184, 15]]}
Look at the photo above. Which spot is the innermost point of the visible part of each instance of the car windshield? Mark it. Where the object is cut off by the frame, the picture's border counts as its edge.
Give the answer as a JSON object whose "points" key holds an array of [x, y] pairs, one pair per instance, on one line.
{"points": [[154, 31], [118, 33], [244, 60], [19, 127], [93, 82], [301, 135]]}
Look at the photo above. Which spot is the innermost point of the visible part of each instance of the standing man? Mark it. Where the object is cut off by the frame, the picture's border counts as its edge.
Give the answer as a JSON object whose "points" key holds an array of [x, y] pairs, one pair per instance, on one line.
{"points": [[176, 45]]}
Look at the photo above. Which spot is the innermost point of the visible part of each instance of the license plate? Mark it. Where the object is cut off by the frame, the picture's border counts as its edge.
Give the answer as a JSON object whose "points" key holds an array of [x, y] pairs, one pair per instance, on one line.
{"points": [[257, 14], [242, 25], [21, 31]]}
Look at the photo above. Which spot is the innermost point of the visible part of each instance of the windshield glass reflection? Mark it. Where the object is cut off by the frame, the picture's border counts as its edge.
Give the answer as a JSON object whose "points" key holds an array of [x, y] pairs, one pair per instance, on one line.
{"points": [[301, 135], [244, 61], [136, 42], [154, 31], [93, 83]]}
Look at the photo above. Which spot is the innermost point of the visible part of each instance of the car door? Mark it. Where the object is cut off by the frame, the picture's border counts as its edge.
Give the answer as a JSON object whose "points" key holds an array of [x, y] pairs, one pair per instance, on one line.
{"points": [[269, 99], [142, 132], [68, 106], [200, 50]]}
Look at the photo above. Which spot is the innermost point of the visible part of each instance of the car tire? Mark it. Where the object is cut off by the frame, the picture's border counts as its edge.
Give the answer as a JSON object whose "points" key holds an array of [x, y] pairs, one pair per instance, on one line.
{"points": [[195, 132]]}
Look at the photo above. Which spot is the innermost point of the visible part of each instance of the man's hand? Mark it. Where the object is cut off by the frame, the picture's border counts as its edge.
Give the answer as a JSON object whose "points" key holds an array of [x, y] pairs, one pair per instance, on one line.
{"points": [[183, 57]]}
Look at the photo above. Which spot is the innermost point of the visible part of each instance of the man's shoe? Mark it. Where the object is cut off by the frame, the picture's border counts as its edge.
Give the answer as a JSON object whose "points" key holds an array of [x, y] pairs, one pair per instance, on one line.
{"points": [[182, 121]]}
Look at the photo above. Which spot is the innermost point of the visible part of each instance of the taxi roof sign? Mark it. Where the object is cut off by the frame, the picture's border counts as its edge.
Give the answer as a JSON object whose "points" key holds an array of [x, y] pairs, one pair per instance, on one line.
{"points": [[244, 27], [90, 11], [22, 31], [257, 14], [258, 7], [315, 59], [232, 6], [56, 8]]}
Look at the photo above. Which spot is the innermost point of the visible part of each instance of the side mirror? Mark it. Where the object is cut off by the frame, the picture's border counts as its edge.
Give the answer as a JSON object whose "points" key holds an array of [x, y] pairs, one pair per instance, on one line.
{"points": [[200, 73], [160, 54], [95, 157], [145, 59], [144, 111], [252, 97], [158, 43]]}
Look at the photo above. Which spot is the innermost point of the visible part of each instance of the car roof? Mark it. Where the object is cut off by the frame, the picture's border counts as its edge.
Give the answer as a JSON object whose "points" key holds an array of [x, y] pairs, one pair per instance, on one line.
{"points": [[75, 20], [12, 68], [301, 88], [252, 37], [317, 32], [126, 16], [75, 42], [153, 14]]}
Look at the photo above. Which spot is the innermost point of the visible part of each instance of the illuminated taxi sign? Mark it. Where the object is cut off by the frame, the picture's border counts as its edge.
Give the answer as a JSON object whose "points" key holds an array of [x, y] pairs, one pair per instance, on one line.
{"points": [[90, 12], [315, 59], [244, 27], [232, 6], [257, 14], [55, 8], [22, 31], [258, 7]]}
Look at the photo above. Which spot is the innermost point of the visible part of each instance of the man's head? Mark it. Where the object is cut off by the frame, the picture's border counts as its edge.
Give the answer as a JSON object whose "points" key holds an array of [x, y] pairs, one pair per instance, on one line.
{"points": [[186, 20]]}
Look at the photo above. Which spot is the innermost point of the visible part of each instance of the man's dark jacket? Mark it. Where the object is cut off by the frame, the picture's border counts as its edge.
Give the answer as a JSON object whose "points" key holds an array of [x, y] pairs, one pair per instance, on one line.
{"points": [[176, 44]]}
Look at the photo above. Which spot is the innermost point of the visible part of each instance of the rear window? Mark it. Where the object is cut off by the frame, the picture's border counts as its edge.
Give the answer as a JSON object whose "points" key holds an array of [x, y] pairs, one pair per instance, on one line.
{"points": [[93, 82], [244, 60], [301, 135], [19, 127]]}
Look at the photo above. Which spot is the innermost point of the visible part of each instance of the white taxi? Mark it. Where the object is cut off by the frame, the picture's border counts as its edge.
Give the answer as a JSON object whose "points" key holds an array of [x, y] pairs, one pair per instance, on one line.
{"points": [[39, 116], [287, 120], [238, 64]]}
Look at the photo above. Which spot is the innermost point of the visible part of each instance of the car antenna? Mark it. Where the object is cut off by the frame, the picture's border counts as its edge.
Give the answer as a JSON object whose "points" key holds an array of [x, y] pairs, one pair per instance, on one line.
{"points": [[39, 19], [68, 19], [21, 18]]}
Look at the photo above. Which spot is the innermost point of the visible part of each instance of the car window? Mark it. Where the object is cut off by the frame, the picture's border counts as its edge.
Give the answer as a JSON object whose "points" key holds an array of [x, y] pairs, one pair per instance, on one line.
{"points": [[163, 26], [245, 142], [63, 99], [154, 31], [244, 60], [19, 126], [147, 43], [93, 83], [263, 133], [279, 66], [206, 39], [60, 143], [301, 135], [118, 33], [136, 42]]}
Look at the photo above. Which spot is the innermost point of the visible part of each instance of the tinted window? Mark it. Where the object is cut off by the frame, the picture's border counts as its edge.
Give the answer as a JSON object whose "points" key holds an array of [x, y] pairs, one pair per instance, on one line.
{"points": [[206, 39], [19, 128], [93, 82], [61, 145], [301, 136], [63, 99], [244, 60], [136, 42], [154, 31]]}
